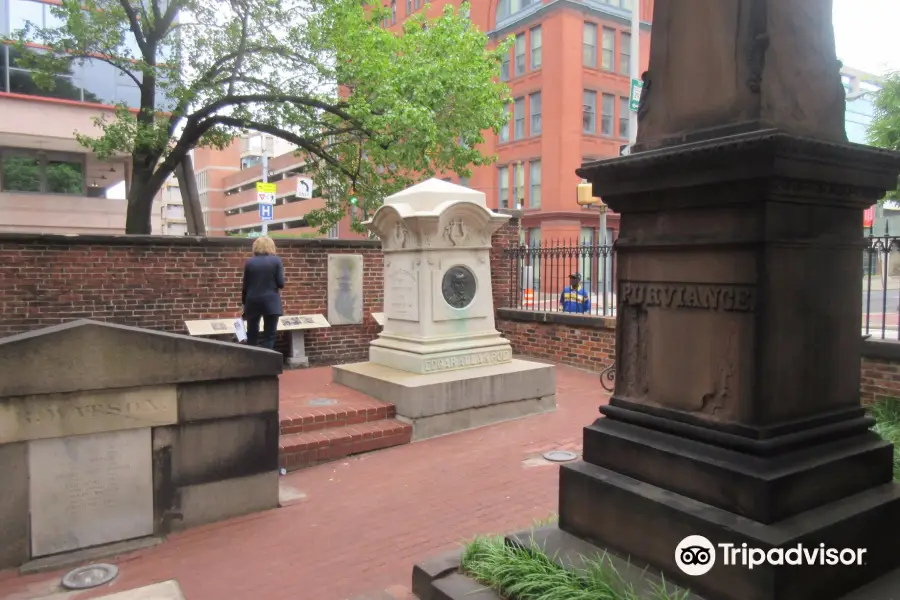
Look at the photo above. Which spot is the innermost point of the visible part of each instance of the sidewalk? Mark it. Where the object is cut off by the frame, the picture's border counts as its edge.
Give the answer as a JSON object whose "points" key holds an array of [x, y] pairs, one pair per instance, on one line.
{"points": [[357, 526]]}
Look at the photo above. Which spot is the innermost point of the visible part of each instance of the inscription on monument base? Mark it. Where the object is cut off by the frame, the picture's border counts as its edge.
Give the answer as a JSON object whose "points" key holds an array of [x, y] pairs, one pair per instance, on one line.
{"points": [[88, 490], [401, 300], [702, 296], [475, 359], [57, 415]]}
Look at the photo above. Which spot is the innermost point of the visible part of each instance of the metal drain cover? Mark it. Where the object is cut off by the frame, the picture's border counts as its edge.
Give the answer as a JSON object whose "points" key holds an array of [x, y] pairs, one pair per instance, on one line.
{"points": [[560, 456], [321, 402], [89, 576]]}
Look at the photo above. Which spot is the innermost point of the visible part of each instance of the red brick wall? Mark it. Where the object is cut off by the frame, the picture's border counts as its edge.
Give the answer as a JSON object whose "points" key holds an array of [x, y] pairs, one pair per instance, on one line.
{"points": [[160, 282], [880, 370], [580, 341]]}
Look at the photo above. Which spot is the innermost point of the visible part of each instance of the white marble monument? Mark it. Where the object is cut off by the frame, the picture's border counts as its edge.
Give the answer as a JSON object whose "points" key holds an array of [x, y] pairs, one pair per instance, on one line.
{"points": [[439, 357]]}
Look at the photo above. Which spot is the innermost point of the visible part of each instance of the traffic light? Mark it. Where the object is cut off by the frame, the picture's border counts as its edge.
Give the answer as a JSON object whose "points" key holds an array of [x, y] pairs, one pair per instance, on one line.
{"points": [[353, 199]]}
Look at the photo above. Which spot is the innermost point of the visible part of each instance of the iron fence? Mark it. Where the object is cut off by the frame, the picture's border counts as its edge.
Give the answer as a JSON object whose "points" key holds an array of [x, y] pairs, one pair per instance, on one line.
{"points": [[541, 276], [881, 286]]}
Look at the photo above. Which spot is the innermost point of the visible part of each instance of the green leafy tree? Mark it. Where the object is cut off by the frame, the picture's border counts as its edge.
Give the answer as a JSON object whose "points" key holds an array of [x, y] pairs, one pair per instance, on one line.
{"points": [[370, 110], [884, 131]]}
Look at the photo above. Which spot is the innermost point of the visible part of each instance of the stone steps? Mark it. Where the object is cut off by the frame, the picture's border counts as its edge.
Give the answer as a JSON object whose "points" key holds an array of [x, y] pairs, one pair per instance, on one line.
{"points": [[334, 439], [322, 421]]}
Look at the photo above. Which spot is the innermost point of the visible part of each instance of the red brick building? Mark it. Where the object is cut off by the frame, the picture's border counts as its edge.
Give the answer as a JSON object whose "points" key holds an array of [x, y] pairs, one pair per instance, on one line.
{"points": [[568, 72]]}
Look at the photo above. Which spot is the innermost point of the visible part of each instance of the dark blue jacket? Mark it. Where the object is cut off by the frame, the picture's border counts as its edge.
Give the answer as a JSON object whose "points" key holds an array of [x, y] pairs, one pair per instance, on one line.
{"points": [[263, 277], [575, 301]]}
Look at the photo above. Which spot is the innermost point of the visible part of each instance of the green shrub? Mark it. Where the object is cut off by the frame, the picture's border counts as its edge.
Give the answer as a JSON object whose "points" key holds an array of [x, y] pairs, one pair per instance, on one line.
{"points": [[887, 425], [529, 574]]}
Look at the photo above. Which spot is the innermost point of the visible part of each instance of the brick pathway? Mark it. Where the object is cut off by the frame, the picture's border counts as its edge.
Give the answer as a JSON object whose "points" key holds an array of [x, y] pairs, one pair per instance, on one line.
{"points": [[358, 525]]}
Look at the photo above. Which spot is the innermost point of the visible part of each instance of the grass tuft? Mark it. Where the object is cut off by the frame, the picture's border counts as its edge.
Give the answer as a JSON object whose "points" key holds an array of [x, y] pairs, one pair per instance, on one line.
{"points": [[887, 424], [529, 574]]}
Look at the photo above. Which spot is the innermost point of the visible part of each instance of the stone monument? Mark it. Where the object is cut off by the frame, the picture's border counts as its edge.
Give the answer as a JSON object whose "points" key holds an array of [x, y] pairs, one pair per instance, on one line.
{"points": [[111, 433], [439, 358], [736, 414]]}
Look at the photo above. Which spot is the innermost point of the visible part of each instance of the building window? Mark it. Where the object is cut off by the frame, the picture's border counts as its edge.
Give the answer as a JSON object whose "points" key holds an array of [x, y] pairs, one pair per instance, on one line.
{"points": [[625, 54], [393, 12], [534, 102], [333, 231], [464, 181], [504, 133], [504, 67], [250, 161], [534, 182], [503, 187], [589, 112], [418, 4], [624, 116], [507, 8], [86, 80], [534, 236], [519, 115], [536, 43], [519, 184], [589, 45], [520, 54], [607, 60], [606, 120], [408, 7], [48, 173]]}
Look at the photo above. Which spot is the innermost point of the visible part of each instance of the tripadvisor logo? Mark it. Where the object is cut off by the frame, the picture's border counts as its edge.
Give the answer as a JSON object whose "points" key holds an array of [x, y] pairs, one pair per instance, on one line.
{"points": [[695, 555]]}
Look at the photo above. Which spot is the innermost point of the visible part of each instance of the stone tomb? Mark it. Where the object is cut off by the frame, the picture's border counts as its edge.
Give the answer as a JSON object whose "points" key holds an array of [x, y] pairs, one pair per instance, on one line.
{"points": [[439, 358], [110, 433]]}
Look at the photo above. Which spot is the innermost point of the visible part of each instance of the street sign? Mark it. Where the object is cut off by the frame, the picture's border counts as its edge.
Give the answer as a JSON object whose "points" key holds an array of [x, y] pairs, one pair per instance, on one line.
{"points": [[265, 198], [636, 86], [266, 188], [304, 188], [624, 150], [265, 212], [254, 234]]}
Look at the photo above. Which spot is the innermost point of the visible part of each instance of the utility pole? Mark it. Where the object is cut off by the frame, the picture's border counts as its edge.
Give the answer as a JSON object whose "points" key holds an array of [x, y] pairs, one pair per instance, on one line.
{"points": [[635, 64], [265, 176]]}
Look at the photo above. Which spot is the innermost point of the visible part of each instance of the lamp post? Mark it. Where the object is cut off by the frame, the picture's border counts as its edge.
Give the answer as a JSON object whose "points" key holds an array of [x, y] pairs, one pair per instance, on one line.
{"points": [[586, 198]]}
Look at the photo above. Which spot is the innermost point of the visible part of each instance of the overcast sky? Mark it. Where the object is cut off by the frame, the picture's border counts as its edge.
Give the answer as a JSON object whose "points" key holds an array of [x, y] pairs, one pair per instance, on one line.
{"points": [[865, 32]]}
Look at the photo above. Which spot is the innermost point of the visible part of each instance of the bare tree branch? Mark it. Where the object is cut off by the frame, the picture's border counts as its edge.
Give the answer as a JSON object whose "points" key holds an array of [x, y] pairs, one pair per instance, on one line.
{"points": [[135, 25], [304, 143]]}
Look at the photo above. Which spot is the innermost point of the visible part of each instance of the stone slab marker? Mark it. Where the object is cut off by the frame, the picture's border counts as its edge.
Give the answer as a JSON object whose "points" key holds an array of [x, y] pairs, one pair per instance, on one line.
{"points": [[736, 414]]}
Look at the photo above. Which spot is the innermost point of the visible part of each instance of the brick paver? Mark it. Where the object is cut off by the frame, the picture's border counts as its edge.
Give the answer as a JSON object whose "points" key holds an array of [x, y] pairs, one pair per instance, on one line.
{"points": [[360, 524]]}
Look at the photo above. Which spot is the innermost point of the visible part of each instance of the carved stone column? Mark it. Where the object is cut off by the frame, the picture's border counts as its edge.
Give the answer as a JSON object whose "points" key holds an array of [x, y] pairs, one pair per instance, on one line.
{"points": [[736, 414]]}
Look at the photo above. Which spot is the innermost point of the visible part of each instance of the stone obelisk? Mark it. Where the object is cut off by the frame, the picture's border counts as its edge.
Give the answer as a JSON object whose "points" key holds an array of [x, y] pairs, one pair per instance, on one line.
{"points": [[736, 414]]}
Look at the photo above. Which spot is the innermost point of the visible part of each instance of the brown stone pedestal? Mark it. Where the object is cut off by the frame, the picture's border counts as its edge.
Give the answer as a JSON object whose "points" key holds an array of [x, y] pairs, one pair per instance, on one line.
{"points": [[736, 414]]}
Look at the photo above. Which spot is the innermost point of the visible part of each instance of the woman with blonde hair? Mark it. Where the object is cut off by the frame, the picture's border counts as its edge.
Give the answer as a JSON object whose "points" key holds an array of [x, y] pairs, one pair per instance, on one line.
{"points": [[263, 278]]}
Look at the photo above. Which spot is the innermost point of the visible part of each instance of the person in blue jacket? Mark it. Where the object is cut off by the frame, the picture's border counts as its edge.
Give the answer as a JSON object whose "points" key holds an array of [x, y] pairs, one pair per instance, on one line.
{"points": [[574, 299]]}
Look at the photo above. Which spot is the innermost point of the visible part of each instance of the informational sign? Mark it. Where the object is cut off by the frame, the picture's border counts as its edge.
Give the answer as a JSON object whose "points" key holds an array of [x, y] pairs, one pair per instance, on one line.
{"points": [[624, 150], [869, 216], [304, 188], [265, 188], [265, 212], [265, 198], [636, 86]]}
